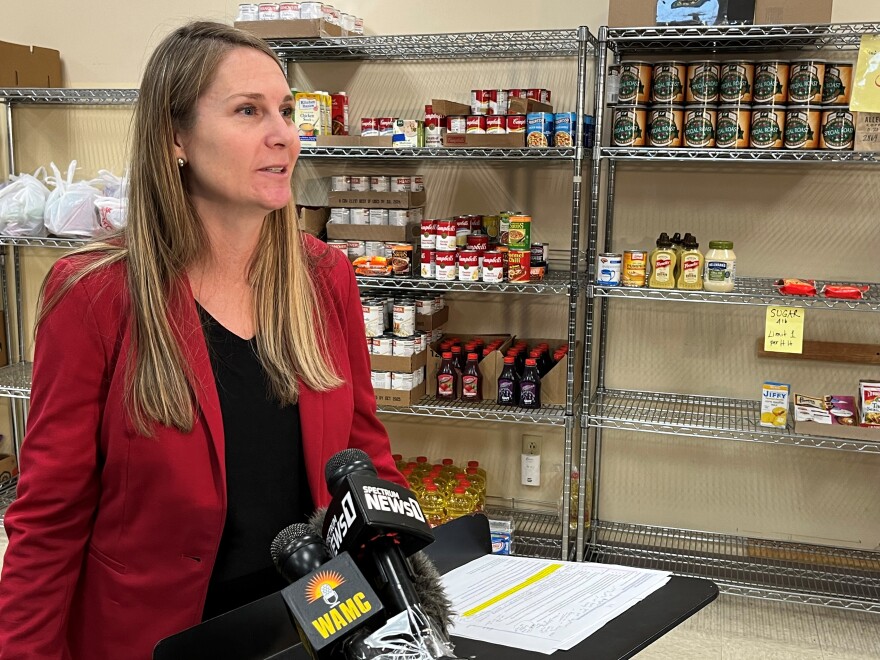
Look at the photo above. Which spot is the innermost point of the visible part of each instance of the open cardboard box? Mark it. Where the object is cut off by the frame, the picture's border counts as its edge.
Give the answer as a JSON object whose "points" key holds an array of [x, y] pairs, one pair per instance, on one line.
{"points": [[408, 234], [834, 429], [313, 219], [485, 140], [519, 106], [425, 322], [400, 398], [377, 200], [398, 363], [449, 108], [29, 66], [490, 383], [316, 28]]}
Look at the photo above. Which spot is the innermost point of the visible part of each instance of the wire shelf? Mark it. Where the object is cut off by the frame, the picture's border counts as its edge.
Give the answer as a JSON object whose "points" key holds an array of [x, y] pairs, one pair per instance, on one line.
{"points": [[7, 496], [555, 283], [61, 96], [454, 153], [737, 155], [748, 291], [463, 45], [15, 380], [547, 415], [537, 531], [772, 570], [703, 417], [843, 36], [47, 242]]}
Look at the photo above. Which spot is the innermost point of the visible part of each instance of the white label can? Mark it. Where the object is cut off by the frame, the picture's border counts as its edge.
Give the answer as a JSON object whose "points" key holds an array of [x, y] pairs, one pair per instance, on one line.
{"points": [[382, 345], [374, 317], [340, 216], [403, 382], [401, 184], [375, 249], [360, 216], [340, 183], [418, 183], [356, 249], [381, 380], [359, 183], [609, 269], [398, 217], [404, 319], [380, 183], [378, 216], [402, 347]]}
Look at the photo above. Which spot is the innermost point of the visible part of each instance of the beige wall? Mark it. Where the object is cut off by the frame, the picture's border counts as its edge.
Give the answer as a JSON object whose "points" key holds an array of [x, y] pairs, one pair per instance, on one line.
{"points": [[810, 221]]}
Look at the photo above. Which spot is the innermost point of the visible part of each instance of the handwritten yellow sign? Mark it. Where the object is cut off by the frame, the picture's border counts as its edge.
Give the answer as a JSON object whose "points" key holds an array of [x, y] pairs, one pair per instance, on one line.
{"points": [[784, 330], [866, 77]]}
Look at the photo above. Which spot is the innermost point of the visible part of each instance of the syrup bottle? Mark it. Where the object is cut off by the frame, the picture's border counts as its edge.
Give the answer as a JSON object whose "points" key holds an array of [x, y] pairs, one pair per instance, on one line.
{"points": [[447, 379], [508, 383], [471, 380], [530, 386]]}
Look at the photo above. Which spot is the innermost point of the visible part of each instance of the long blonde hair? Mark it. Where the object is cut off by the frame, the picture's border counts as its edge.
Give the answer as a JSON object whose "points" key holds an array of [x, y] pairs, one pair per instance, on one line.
{"points": [[164, 236]]}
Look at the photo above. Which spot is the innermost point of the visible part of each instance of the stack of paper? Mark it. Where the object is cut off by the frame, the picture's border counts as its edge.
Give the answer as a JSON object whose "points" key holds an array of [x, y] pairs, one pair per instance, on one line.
{"points": [[542, 605]]}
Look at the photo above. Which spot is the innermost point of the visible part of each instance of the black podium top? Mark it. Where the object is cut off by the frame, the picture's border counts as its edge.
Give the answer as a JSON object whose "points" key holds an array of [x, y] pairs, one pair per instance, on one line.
{"points": [[264, 630]]}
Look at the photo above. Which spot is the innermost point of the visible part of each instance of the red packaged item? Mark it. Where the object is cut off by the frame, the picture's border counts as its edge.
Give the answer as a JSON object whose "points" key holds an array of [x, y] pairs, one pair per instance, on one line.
{"points": [[794, 287], [845, 292]]}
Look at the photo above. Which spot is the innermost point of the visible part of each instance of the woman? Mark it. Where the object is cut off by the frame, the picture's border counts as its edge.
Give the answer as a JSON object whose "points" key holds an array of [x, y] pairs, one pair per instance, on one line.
{"points": [[192, 375]]}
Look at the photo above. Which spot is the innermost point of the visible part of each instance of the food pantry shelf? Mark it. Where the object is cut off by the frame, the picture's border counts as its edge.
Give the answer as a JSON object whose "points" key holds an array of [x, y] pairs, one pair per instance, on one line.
{"points": [[462, 45], [702, 417], [490, 411], [15, 380], [23, 241], [391, 153], [736, 155], [772, 570], [7, 495], [554, 283], [748, 291], [536, 532], [59, 96], [739, 37]]}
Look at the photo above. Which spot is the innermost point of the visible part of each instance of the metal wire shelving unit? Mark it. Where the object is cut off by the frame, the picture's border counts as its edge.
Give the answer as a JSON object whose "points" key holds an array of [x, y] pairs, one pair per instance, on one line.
{"points": [[555, 283], [451, 153], [835, 577], [537, 526]]}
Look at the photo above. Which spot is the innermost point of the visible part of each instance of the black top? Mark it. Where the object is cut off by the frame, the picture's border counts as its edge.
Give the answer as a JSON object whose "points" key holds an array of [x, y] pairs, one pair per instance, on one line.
{"points": [[266, 485]]}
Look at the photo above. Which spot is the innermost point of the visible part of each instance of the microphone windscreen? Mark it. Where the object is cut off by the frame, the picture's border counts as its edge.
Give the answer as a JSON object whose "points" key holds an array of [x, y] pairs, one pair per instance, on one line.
{"points": [[344, 463], [286, 535]]}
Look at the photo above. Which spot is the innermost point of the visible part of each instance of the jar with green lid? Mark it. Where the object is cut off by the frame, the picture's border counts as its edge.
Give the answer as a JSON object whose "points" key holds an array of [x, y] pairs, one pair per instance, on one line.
{"points": [[719, 270]]}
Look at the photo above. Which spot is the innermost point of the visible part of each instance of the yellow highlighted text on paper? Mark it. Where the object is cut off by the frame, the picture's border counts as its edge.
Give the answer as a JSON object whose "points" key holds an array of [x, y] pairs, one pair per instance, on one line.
{"points": [[537, 577]]}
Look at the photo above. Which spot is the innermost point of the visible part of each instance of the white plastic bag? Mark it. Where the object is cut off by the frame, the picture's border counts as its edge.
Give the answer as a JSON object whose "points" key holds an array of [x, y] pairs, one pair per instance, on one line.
{"points": [[70, 208], [22, 204], [113, 204]]}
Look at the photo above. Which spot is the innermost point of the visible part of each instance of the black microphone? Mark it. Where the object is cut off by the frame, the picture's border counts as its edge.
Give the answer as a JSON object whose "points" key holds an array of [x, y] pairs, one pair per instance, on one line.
{"points": [[379, 523], [298, 550]]}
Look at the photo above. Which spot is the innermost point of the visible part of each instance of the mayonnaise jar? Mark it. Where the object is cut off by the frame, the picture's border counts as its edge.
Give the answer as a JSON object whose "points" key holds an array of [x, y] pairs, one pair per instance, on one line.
{"points": [[719, 272]]}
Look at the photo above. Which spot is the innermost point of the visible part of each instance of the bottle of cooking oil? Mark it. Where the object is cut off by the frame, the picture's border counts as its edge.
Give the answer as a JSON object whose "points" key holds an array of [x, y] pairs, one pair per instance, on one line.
{"points": [[478, 498], [479, 483], [575, 498], [662, 264], [690, 277], [459, 503], [433, 506]]}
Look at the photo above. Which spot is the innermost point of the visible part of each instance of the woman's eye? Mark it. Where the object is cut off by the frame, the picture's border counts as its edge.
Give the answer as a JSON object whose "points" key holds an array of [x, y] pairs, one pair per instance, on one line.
{"points": [[248, 110], [287, 112]]}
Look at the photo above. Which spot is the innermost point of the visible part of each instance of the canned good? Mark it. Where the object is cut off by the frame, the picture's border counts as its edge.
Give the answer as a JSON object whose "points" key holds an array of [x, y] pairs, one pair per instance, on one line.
{"points": [[668, 82], [533, 93], [426, 264], [498, 101], [565, 129], [468, 266], [418, 183], [771, 82], [374, 248], [733, 127], [419, 343], [805, 80], [635, 83], [429, 234], [456, 124], [462, 229], [478, 242], [702, 82], [476, 223], [504, 226], [518, 265], [699, 126], [539, 129], [340, 216], [496, 124], [665, 126], [402, 260], [416, 214], [359, 216], [490, 226], [737, 79], [537, 253], [342, 246], [374, 317], [838, 130], [268, 11], [493, 267], [768, 125], [288, 11], [403, 347], [479, 101], [520, 234], [359, 183], [382, 345], [356, 249], [398, 217], [400, 381], [445, 269], [378, 216], [380, 183], [433, 132], [837, 86], [476, 124], [802, 124], [248, 12], [340, 183], [545, 96], [446, 236], [516, 123], [629, 127], [635, 268], [609, 269], [589, 130], [401, 183], [381, 380], [385, 125], [404, 319], [369, 127]]}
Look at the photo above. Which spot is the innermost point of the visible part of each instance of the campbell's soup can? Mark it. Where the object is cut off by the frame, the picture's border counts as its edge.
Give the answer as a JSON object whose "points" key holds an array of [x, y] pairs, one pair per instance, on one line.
{"points": [[401, 184], [462, 229], [380, 183], [369, 127], [456, 124], [609, 269], [356, 249], [340, 183], [516, 94], [429, 234], [418, 183], [446, 236], [445, 269], [476, 124], [476, 223], [398, 217], [496, 124], [359, 183], [480, 101], [635, 268], [428, 263], [516, 123], [497, 102], [534, 94], [386, 125], [493, 267], [359, 216], [519, 265], [468, 266], [478, 242]]}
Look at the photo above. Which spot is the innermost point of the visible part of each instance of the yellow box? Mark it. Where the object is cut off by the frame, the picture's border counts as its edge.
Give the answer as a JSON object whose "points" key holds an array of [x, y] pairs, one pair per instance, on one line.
{"points": [[774, 405]]}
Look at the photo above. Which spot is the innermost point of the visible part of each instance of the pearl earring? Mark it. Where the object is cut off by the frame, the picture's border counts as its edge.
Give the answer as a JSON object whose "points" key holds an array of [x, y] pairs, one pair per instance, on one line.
{"points": [[181, 162]]}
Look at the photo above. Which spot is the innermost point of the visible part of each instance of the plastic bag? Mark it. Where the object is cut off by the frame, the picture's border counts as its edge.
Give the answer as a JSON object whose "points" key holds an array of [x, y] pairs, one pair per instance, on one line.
{"points": [[112, 206], [22, 204], [70, 208], [409, 635]]}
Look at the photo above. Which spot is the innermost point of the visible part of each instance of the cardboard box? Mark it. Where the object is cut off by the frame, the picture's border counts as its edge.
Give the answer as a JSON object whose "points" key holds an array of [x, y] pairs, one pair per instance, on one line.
{"points": [[518, 106], [376, 200], [411, 233], [867, 131], [822, 417], [29, 66], [488, 369], [397, 363], [632, 13], [425, 323], [449, 108], [331, 141], [781, 12], [485, 140], [298, 29], [8, 468], [400, 398], [313, 219]]}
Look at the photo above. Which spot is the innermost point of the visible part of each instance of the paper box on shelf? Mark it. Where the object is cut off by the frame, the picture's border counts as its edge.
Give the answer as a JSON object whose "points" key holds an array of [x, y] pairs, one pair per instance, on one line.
{"points": [[631, 13], [8, 468], [294, 29], [313, 219], [867, 131], [832, 417], [519, 106], [488, 369], [408, 234], [425, 322], [331, 141], [29, 66], [376, 142], [485, 140], [400, 398], [449, 108], [783, 12], [397, 363], [376, 200]]}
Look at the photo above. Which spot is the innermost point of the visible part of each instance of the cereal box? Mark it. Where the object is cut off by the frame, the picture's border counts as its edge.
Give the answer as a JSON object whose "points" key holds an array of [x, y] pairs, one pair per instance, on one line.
{"points": [[869, 393], [774, 404]]}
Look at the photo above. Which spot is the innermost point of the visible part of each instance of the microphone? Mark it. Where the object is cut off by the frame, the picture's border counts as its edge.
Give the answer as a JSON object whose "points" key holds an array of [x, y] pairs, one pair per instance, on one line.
{"points": [[298, 550], [379, 523]]}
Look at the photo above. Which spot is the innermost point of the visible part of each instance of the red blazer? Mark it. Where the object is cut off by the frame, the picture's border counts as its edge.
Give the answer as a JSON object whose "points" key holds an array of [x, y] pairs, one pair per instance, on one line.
{"points": [[113, 536]]}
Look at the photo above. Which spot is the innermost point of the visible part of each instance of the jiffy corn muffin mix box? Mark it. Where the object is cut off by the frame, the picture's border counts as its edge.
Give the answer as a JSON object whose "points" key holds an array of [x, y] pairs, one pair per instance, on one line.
{"points": [[774, 404]]}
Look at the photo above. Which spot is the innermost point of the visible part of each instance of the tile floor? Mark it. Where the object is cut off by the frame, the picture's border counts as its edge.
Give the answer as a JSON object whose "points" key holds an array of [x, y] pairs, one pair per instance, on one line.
{"points": [[734, 628]]}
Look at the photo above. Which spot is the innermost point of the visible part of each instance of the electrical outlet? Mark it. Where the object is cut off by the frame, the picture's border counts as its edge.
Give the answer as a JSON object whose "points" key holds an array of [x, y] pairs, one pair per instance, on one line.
{"points": [[530, 468], [531, 444]]}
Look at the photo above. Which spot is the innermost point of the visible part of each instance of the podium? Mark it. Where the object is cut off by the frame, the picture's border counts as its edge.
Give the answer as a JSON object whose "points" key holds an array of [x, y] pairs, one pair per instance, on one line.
{"points": [[264, 629]]}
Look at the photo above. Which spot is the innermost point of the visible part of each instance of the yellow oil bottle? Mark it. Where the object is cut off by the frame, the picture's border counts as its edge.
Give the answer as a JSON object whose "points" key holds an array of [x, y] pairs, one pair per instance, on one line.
{"points": [[433, 506]]}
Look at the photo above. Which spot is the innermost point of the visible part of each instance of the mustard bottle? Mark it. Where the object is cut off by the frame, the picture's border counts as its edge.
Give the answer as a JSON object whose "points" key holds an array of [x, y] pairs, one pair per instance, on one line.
{"points": [[676, 247], [690, 276], [662, 264]]}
